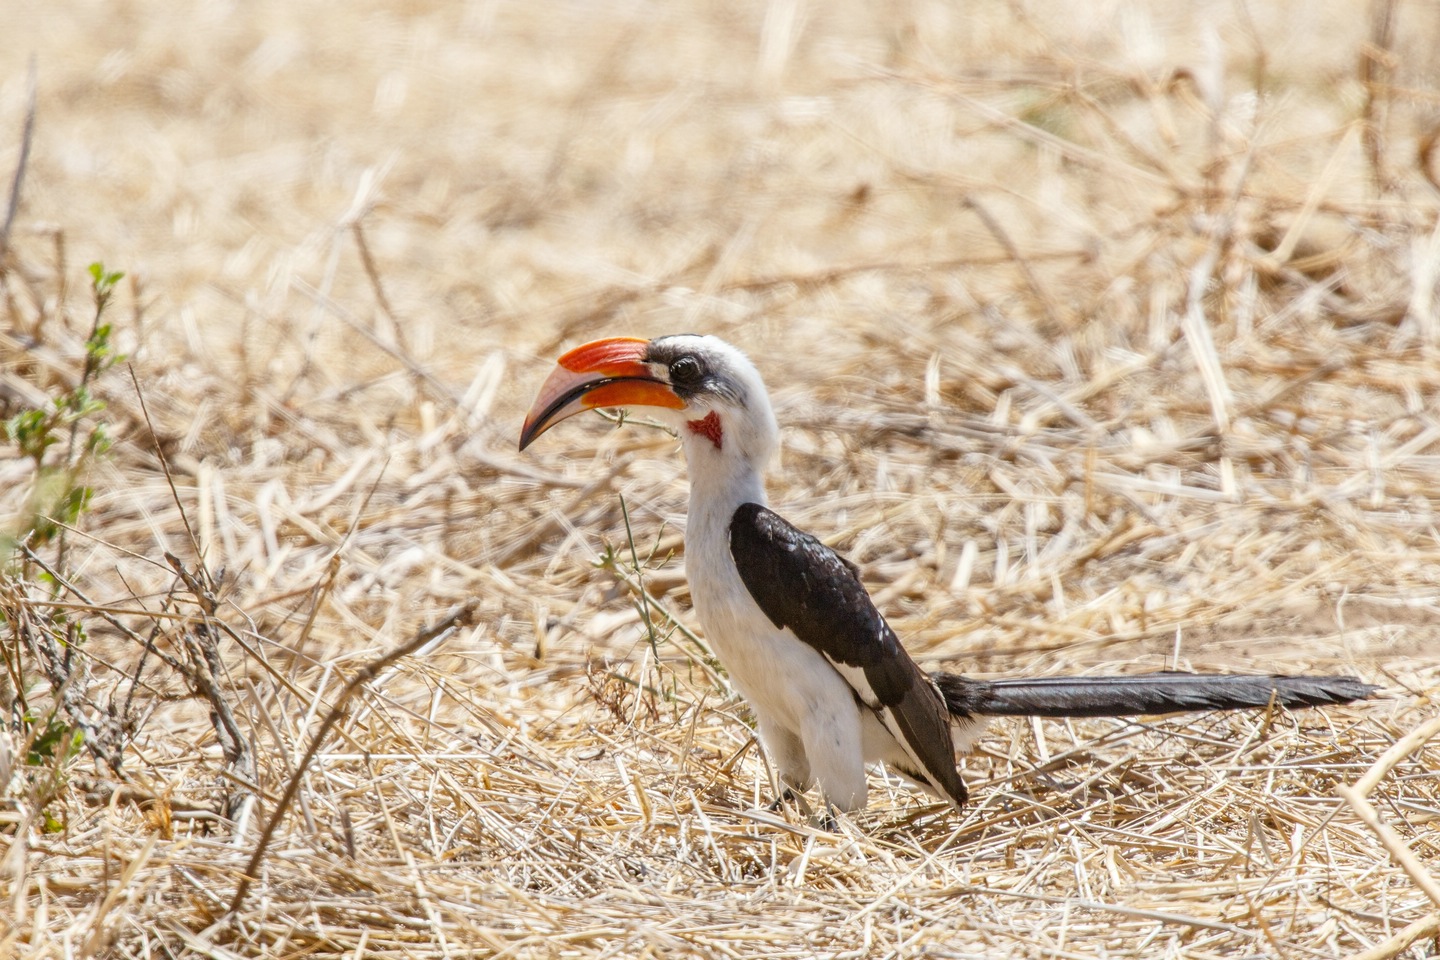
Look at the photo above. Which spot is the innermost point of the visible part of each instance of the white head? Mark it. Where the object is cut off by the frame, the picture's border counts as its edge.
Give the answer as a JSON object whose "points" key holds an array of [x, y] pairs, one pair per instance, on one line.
{"points": [[707, 390]]}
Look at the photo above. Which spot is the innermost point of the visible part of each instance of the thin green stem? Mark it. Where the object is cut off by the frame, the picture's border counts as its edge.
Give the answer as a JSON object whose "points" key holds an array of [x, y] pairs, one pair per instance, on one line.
{"points": [[640, 583]]}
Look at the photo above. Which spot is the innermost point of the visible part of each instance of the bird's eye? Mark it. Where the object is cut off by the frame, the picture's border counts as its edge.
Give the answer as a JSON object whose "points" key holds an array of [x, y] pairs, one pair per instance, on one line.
{"points": [[686, 371]]}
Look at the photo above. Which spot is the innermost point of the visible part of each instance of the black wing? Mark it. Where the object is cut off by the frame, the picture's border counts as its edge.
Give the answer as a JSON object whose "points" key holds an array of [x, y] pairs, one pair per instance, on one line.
{"points": [[800, 583]]}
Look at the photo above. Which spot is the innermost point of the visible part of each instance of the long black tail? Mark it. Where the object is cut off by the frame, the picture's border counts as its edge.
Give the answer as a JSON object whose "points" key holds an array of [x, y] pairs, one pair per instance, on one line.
{"points": [[1132, 695]]}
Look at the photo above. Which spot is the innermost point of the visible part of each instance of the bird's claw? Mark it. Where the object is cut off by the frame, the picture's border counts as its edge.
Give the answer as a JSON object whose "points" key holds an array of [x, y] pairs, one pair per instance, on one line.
{"points": [[786, 796]]}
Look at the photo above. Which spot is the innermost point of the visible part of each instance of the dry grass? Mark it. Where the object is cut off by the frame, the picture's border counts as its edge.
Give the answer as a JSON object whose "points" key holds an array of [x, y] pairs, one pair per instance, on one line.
{"points": [[1105, 336]]}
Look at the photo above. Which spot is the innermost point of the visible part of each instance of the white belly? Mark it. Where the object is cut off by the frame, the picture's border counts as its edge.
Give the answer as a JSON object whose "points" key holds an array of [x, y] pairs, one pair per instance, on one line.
{"points": [[774, 670]]}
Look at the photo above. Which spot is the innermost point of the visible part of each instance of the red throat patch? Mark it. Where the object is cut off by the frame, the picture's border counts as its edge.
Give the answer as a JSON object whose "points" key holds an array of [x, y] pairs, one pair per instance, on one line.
{"points": [[709, 428]]}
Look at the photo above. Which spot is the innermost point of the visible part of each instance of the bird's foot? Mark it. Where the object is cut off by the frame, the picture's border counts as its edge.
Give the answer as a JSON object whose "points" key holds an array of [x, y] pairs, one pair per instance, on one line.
{"points": [[824, 819], [786, 796]]}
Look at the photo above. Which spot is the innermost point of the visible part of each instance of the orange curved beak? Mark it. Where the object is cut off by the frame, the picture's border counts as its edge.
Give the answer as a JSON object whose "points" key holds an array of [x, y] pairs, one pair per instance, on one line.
{"points": [[603, 373]]}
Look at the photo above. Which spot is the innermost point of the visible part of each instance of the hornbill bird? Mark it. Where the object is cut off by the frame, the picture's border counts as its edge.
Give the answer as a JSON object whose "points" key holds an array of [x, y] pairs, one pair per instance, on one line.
{"points": [[830, 685]]}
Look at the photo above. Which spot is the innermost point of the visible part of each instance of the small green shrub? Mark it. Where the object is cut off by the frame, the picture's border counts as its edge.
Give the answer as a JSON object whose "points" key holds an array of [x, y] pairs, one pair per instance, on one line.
{"points": [[63, 438]]}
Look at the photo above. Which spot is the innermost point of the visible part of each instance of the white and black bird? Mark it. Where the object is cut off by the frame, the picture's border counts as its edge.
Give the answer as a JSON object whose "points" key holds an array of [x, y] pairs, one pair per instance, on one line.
{"points": [[831, 687]]}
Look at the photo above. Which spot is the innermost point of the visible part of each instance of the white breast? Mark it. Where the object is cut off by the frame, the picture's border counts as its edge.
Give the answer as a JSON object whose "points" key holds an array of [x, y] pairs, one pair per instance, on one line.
{"points": [[770, 667]]}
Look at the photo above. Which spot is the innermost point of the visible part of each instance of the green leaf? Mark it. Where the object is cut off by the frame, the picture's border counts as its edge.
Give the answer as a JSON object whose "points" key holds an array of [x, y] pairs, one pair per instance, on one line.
{"points": [[73, 504], [99, 440], [101, 281], [42, 750], [32, 431]]}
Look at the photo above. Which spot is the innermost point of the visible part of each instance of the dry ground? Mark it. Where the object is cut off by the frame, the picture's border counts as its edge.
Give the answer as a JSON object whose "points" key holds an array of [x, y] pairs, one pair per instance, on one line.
{"points": [[1105, 336]]}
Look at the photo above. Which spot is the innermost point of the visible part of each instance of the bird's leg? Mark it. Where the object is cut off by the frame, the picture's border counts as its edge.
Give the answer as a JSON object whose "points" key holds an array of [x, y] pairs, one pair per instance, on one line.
{"points": [[831, 734], [787, 753]]}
